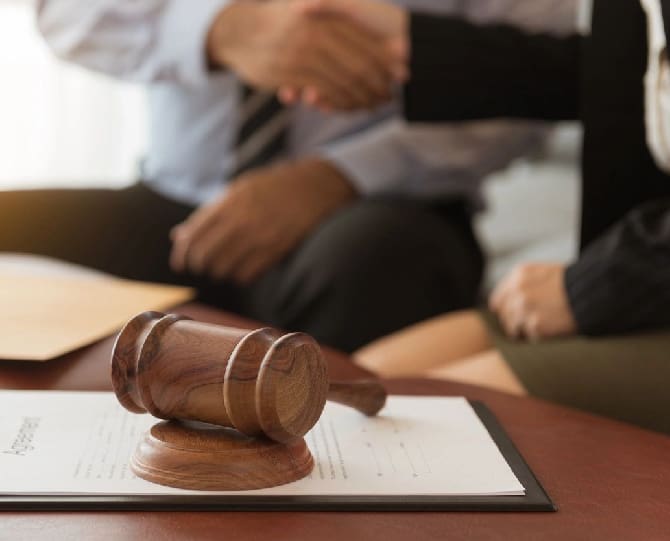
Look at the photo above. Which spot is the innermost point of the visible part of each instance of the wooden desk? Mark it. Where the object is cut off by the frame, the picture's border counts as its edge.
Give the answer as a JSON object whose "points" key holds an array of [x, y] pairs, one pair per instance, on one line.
{"points": [[611, 481]]}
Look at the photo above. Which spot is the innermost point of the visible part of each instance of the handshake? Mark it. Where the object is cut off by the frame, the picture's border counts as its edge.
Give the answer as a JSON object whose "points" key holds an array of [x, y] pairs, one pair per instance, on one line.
{"points": [[330, 54]]}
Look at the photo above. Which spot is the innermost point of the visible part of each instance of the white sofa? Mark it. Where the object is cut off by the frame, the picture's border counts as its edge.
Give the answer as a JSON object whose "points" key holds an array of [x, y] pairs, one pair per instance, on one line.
{"points": [[533, 208]]}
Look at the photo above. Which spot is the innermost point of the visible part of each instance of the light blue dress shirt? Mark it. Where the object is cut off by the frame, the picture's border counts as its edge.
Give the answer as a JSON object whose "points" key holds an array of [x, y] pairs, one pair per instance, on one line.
{"points": [[193, 111]]}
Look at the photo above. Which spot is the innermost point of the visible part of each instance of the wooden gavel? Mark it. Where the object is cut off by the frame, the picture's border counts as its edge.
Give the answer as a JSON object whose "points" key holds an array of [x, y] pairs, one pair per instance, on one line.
{"points": [[258, 382]]}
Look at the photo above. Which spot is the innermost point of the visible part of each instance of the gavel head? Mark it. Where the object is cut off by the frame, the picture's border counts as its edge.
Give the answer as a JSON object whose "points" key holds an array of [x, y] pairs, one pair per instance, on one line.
{"points": [[258, 382]]}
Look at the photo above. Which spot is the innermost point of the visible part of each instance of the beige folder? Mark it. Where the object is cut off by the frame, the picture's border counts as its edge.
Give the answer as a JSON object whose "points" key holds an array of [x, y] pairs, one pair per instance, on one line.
{"points": [[44, 316]]}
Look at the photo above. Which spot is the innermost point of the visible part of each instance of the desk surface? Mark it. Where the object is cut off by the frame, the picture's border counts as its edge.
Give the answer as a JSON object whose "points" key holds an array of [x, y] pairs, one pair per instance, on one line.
{"points": [[611, 481]]}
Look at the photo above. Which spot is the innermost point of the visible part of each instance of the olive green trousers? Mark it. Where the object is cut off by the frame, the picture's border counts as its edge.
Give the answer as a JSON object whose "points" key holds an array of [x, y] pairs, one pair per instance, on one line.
{"points": [[623, 377]]}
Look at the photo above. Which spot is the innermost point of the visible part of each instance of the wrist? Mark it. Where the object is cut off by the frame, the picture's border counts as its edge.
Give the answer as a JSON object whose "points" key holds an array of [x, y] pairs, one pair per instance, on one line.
{"points": [[324, 188], [335, 185]]}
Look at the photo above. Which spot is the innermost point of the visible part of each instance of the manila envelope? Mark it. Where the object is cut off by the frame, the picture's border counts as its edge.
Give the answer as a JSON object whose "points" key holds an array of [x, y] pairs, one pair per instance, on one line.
{"points": [[44, 317]]}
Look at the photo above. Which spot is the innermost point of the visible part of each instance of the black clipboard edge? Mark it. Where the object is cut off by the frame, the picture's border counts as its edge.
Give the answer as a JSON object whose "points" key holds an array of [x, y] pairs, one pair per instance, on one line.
{"points": [[535, 500], [535, 493]]}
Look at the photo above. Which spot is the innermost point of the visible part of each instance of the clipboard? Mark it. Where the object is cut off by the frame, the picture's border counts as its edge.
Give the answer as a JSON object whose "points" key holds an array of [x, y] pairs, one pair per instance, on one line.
{"points": [[535, 498]]}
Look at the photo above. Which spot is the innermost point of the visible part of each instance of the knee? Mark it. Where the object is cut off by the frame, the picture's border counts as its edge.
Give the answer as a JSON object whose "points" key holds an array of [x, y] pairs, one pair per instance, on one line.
{"points": [[382, 253], [371, 270]]}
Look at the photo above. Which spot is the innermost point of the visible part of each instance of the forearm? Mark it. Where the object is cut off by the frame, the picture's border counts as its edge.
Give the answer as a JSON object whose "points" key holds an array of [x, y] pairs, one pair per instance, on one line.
{"points": [[461, 71], [621, 283]]}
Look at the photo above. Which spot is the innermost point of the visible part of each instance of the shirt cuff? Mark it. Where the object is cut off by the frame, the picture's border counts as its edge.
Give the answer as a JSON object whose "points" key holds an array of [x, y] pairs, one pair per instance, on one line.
{"points": [[182, 38], [583, 283]]}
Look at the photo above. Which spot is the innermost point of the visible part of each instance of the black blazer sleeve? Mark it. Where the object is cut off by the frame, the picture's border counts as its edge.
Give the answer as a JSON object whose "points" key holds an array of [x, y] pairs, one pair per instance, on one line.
{"points": [[621, 283], [462, 71]]}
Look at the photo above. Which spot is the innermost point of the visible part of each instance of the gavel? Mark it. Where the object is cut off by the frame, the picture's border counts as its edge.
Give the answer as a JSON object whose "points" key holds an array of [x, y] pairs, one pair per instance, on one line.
{"points": [[259, 382]]}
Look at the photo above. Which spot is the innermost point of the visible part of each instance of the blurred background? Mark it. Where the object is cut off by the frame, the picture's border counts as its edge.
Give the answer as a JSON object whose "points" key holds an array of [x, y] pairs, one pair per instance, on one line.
{"points": [[63, 126], [60, 125]]}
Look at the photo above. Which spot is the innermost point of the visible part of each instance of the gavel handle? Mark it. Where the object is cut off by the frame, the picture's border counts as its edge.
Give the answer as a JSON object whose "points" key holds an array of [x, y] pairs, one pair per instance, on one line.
{"points": [[368, 397]]}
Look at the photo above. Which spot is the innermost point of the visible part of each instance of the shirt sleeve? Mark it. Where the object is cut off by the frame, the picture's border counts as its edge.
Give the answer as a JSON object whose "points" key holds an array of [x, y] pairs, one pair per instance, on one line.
{"points": [[422, 160], [621, 282], [137, 40]]}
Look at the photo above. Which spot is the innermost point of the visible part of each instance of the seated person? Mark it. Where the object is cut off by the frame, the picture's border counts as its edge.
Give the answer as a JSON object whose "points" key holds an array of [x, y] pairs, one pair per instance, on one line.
{"points": [[593, 334], [297, 219]]}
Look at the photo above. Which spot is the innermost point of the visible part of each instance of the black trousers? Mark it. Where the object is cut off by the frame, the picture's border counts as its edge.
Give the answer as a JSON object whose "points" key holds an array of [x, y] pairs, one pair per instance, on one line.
{"points": [[373, 268]]}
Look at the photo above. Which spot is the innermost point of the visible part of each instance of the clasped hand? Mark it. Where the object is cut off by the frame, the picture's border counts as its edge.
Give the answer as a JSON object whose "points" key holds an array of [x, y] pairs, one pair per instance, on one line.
{"points": [[385, 21], [531, 302], [309, 48]]}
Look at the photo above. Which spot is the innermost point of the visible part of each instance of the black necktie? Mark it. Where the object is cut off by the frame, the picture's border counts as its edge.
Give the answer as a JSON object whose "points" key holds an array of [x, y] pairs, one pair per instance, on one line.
{"points": [[262, 132]]}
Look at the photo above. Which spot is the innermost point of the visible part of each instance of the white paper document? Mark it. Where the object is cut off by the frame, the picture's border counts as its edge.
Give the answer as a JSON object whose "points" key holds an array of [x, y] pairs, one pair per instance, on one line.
{"points": [[80, 444]]}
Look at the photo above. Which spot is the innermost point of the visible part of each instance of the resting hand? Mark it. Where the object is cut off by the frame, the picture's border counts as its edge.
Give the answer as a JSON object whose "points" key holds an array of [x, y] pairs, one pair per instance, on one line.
{"points": [[531, 302], [278, 43], [388, 22], [262, 217]]}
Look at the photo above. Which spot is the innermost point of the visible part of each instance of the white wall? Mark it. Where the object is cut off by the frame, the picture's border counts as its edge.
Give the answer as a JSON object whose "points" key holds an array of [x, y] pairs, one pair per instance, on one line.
{"points": [[59, 125]]}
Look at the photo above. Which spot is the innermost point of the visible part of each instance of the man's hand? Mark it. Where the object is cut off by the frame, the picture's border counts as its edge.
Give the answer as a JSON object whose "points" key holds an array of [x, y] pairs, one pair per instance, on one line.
{"points": [[263, 216], [531, 302], [277, 44], [387, 21], [381, 17]]}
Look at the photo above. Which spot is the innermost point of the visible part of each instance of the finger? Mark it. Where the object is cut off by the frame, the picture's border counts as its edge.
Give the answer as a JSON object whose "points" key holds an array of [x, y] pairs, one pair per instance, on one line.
{"points": [[512, 318], [185, 235], [399, 50], [370, 61], [314, 99], [254, 266], [334, 80], [342, 73], [225, 263], [216, 247], [495, 299], [390, 55], [501, 291], [203, 249], [532, 328], [288, 95], [343, 8], [199, 220], [510, 312], [379, 17], [367, 63], [183, 240], [180, 246], [321, 88]]}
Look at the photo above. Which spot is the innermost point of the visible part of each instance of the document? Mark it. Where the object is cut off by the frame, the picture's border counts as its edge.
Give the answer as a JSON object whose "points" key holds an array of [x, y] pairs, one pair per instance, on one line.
{"points": [[62, 443], [51, 311]]}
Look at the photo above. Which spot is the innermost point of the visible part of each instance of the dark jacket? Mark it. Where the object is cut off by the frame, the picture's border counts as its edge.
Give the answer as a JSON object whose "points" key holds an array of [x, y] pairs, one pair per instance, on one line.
{"points": [[621, 282]]}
